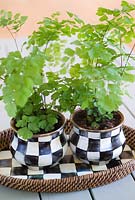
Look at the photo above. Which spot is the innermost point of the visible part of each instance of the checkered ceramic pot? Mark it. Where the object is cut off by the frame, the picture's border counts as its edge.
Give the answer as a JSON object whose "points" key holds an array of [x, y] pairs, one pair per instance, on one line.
{"points": [[97, 147], [41, 150]]}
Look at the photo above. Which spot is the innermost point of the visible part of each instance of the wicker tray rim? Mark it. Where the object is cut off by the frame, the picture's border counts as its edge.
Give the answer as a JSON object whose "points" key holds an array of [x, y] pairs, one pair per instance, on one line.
{"points": [[74, 183]]}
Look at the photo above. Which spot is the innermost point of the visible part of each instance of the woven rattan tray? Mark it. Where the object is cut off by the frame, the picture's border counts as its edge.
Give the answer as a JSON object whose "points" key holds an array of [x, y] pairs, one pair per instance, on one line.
{"points": [[69, 183]]}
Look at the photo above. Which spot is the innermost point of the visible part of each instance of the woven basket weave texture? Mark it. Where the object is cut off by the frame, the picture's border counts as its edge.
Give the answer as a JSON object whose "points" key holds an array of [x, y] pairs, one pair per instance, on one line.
{"points": [[71, 183]]}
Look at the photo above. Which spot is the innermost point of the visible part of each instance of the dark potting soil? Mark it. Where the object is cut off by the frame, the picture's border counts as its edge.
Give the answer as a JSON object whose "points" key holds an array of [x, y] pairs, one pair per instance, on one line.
{"points": [[80, 118], [56, 126], [59, 124]]}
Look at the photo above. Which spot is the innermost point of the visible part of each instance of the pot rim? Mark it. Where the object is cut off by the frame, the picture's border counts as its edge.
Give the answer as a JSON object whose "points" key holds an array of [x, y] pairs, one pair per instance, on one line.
{"points": [[12, 124], [98, 130]]}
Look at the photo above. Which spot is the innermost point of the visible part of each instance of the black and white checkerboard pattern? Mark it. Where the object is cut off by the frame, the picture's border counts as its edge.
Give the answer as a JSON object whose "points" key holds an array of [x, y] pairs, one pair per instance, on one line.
{"points": [[97, 146], [40, 151], [69, 166]]}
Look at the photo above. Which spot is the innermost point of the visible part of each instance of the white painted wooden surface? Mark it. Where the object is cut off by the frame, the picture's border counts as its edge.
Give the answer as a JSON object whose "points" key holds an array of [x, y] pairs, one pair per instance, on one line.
{"points": [[11, 194], [123, 189], [82, 195], [4, 119]]}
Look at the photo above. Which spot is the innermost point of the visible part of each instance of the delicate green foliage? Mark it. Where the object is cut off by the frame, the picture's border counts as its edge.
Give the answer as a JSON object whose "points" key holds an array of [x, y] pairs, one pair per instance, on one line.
{"points": [[1, 97], [25, 132], [20, 75], [76, 18], [96, 81], [13, 22], [75, 71], [69, 52], [127, 7], [11, 109], [52, 37], [51, 29], [31, 119], [71, 64], [28, 80]]}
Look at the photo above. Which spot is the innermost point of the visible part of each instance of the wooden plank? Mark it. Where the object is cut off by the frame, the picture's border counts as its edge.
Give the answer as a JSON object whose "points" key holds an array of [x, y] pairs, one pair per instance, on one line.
{"points": [[8, 193], [67, 196], [7, 45], [129, 119], [4, 119], [129, 101], [123, 189]]}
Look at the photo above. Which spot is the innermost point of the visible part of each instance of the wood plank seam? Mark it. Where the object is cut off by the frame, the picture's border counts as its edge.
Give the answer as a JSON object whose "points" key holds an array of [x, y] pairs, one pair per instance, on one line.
{"points": [[40, 197], [133, 176], [133, 115], [91, 194]]}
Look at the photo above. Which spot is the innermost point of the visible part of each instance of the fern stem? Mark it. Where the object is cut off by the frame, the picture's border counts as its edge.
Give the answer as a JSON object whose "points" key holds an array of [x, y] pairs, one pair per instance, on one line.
{"points": [[2, 78], [129, 55], [13, 37]]}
